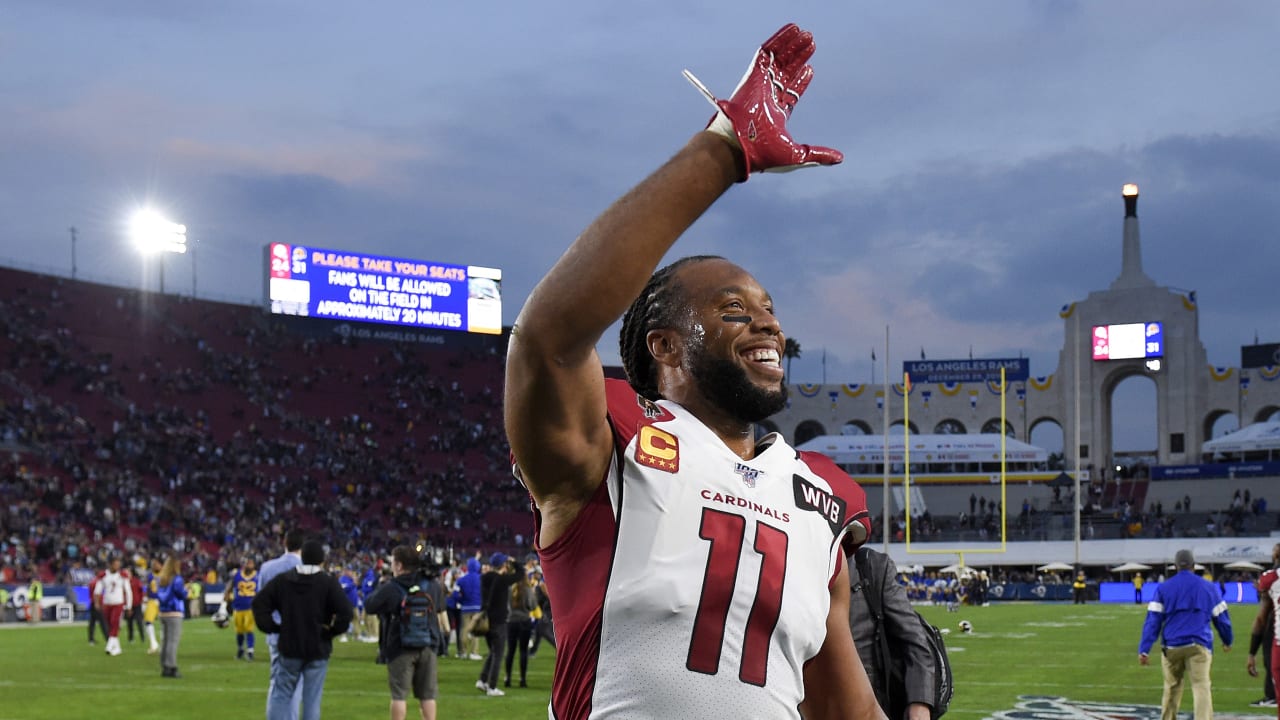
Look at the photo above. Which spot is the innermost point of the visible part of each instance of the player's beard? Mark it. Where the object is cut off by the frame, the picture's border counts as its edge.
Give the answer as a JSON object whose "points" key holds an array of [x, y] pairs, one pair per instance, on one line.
{"points": [[726, 384]]}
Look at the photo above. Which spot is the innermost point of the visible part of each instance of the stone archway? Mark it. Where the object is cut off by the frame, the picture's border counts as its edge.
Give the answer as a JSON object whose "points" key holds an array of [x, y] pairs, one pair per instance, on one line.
{"points": [[950, 426], [992, 427], [806, 431], [1267, 413], [1047, 433], [896, 427], [1130, 411], [855, 427], [1220, 422]]}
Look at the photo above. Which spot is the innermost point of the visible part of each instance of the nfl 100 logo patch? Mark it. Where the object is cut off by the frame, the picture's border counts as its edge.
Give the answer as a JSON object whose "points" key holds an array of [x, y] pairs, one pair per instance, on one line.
{"points": [[748, 473]]}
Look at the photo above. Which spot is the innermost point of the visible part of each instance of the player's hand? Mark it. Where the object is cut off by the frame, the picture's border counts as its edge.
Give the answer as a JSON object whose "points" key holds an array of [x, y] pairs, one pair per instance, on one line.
{"points": [[755, 117], [1143, 659], [1252, 666], [1226, 648]]}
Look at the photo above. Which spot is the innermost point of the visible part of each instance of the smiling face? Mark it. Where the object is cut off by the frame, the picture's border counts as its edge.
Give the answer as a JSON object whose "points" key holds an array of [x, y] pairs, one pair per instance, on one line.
{"points": [[732, 342]]}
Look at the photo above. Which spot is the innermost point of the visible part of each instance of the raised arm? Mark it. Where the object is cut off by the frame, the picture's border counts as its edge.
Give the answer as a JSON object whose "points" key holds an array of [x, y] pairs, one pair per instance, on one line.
{"points": [[555, 409], [555, 400]]}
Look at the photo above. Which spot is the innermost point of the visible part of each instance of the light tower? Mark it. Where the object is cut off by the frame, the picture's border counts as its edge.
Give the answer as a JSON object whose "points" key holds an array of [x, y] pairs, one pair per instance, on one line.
{"points": [[155, 235]]}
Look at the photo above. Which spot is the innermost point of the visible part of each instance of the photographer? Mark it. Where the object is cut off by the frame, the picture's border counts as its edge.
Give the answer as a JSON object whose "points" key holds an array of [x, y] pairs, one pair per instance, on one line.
{"points": [[408, 668]]}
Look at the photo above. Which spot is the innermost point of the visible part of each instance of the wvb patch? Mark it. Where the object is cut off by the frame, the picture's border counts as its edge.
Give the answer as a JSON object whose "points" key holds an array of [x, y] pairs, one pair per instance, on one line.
{"points": [[1052, 707], [813, 498]]}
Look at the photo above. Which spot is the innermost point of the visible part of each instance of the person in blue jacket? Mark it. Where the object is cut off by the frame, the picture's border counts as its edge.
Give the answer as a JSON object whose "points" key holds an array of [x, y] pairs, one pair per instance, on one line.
{"points": [[368, 623], [347, 579], [172, 595], [469, 604], [1183, 608]]}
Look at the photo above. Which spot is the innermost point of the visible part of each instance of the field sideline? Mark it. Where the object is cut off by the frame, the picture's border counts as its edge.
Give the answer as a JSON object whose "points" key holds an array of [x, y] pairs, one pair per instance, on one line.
{"points": [[1086, 654]]}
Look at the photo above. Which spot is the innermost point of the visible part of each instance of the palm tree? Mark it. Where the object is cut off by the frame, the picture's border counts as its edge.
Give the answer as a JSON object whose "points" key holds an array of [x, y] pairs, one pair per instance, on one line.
{"points": [[789, 351]]}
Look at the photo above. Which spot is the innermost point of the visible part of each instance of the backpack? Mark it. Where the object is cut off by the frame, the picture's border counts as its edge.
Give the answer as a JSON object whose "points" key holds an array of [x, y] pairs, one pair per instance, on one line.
{"points": [[418, 623], [893, 676]]}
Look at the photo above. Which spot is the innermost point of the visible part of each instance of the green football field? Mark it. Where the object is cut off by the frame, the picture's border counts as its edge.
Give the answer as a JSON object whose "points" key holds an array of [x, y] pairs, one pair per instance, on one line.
{"points": [[1086, 655]]}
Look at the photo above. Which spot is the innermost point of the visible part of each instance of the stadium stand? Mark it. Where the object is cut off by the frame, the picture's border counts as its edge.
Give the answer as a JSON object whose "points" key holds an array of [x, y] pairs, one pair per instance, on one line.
{"points": [[130, 419]]}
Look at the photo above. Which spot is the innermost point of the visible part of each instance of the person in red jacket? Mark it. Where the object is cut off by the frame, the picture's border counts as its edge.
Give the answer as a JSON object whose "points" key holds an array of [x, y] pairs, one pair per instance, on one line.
{"points": [[134, 618]]}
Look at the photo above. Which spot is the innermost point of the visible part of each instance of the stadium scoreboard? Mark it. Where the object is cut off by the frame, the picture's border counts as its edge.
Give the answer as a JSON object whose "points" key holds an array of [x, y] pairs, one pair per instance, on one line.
{"points": [[1131, 341], [351, 286]]}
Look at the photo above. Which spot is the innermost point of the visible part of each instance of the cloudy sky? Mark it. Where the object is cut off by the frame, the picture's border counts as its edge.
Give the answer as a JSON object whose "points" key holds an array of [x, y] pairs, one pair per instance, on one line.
{"points": [[986, 146]]}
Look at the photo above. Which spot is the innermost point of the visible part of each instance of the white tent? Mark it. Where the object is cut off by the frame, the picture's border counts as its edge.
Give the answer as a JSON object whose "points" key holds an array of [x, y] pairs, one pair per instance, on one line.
{"points": [[1056, 566], [1260, 436], [869, 449]]}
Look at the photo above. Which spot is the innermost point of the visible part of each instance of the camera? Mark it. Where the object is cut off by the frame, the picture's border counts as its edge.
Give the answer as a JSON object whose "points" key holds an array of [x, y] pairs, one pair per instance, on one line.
{"points": [[432, 559]]}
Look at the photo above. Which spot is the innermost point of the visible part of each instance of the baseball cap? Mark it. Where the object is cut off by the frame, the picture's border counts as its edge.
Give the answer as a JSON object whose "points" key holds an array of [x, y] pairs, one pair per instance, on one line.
{"points": [[498, 559], [1184, 559]]}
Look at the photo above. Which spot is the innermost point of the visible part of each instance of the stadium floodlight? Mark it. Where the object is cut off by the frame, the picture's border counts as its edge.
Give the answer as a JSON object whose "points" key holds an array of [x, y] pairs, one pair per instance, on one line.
{"points": [[1129, 190], [154, 234]]}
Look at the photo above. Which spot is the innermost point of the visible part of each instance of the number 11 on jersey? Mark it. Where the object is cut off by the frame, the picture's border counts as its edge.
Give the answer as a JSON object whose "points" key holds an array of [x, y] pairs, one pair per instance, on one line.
{"points": [[726, 532]]}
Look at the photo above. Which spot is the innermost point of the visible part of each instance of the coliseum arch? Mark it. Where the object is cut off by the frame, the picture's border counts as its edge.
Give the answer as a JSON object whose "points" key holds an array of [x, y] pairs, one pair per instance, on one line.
{"points": [[1107, 389], [949, 426], [855, 427], [1213, 418], [1267, 412], [992, 427], [806, 431], [1043, 419], [896, 427]]}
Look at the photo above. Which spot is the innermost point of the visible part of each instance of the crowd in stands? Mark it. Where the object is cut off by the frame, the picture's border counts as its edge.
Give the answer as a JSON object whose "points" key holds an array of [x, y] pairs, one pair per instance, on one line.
{"points": [[1122, 518], [131, 421]]}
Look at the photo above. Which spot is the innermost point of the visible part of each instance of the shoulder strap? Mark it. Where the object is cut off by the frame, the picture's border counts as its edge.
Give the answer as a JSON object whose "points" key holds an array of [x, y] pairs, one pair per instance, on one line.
{"points": [[873, 592]]}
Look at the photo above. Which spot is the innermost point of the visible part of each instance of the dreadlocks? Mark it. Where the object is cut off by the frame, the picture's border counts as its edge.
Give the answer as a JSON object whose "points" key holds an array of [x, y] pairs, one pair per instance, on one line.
{"points": [[657, 306]]}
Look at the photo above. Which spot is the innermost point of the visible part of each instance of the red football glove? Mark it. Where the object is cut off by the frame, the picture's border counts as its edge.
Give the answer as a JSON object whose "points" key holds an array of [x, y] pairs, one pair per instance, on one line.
{"points": [[755, 117]]}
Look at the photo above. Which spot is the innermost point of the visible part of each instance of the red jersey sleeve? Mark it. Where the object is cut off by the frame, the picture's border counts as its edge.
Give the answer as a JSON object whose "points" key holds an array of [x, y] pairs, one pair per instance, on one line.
{"points": [[1267, 580]]}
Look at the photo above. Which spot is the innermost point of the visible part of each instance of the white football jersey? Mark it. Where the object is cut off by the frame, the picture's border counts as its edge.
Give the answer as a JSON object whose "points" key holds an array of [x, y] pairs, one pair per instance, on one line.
{"points": [[114, 589], [696, 584]]}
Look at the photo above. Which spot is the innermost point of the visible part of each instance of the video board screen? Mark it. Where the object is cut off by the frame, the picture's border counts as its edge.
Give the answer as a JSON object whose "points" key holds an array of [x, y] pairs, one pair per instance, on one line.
{"points": [[1128, 342], [342, 285]]}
